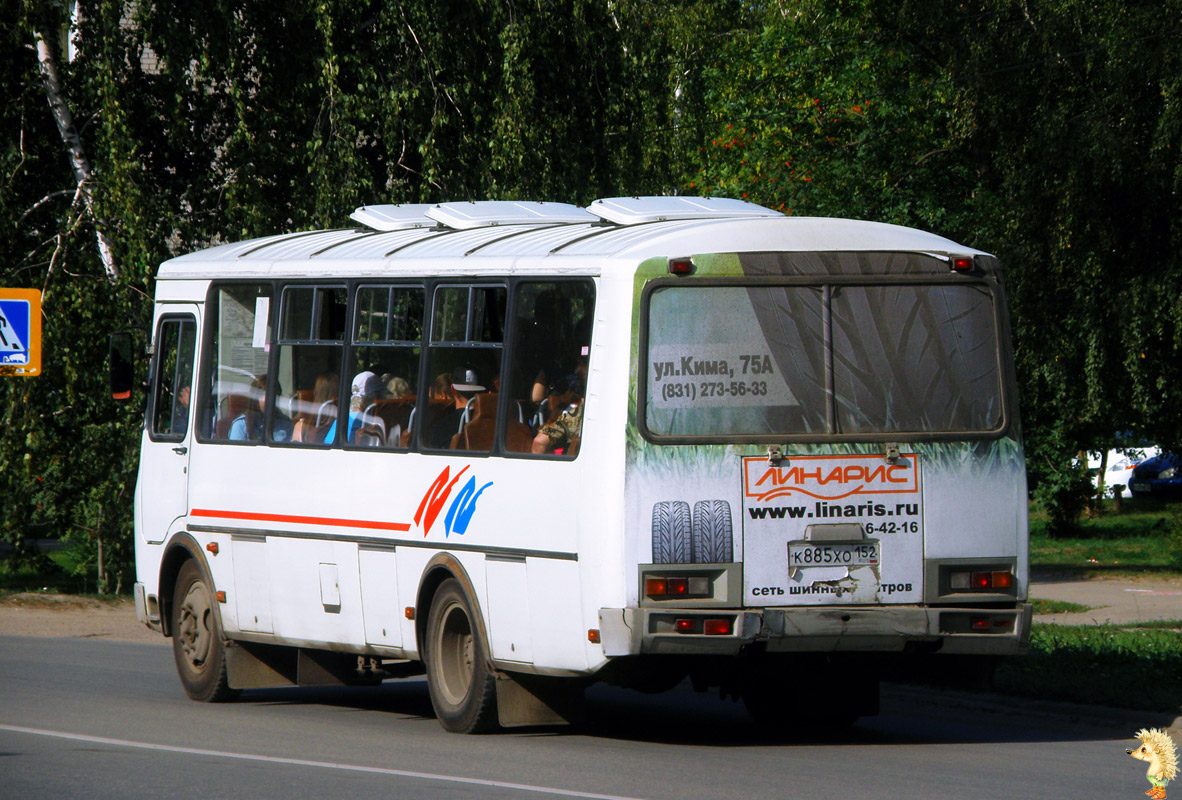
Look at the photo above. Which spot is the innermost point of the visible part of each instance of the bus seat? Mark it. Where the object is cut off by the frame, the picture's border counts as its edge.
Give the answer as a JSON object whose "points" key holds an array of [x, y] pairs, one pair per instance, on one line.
{"points": [[480, 430], [435, 409], [394, 412], [317, 433], [326, 413], [408, 430], [370, 436], [299, 406], [518, 437], [233, 406]]}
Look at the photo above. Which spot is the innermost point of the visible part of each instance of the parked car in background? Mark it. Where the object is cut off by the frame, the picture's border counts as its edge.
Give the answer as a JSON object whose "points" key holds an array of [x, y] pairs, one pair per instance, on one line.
{"points": [[1118, 470], [1161, 474]]}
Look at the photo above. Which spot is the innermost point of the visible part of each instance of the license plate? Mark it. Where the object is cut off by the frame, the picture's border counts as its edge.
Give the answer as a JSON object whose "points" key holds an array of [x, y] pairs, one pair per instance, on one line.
{"points": [[1139, 487], [808, 554]]}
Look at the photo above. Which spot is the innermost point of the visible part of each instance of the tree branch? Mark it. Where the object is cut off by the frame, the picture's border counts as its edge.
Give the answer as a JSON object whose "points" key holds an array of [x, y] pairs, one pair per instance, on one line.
{"points": [[81, 166]]}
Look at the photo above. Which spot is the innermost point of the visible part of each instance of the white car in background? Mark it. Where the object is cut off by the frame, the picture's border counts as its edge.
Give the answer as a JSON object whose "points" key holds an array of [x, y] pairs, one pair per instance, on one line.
{"points": [[1119, 468]]}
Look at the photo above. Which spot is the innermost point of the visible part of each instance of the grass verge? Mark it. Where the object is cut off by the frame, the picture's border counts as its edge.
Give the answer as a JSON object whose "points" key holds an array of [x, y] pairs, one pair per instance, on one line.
{"points": [[1057, 607], [1137, 668], [1144, 536]]}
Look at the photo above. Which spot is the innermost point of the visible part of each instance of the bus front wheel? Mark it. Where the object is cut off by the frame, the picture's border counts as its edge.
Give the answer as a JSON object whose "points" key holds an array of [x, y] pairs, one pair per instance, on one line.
{"points": [[462, 687], [197, 644]]}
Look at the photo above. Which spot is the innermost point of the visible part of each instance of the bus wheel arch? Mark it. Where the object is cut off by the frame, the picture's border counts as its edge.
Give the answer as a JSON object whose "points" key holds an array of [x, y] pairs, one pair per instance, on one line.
{"points": [[460, 680], [453, 644], [181, 548], [198, 644], [443, 567]]}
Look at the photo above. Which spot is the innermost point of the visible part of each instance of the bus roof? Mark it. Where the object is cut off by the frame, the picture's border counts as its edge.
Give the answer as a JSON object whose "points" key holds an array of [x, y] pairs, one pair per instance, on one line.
{"points": [[499, 235]]}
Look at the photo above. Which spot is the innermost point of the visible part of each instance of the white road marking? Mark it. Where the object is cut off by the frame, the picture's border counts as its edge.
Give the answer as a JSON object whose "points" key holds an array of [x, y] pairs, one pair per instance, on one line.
{"points": [[299, 762]]}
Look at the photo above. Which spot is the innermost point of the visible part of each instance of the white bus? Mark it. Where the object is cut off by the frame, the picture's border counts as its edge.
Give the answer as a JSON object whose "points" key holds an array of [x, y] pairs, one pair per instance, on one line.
{"points": [[524, 447]]}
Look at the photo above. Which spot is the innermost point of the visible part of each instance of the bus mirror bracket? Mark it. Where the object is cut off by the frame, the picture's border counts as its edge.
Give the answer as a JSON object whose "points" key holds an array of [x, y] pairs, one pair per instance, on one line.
{"points": [[775, 454], [892, 453]]}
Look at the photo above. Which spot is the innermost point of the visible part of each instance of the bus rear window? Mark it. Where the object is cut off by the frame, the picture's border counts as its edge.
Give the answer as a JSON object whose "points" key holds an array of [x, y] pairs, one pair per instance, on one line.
{"points": [[830, 360]]}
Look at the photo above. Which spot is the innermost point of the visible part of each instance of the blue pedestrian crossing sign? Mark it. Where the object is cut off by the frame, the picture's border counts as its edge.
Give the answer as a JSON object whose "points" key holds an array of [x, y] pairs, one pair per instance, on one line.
{"points": [[20, 332]]}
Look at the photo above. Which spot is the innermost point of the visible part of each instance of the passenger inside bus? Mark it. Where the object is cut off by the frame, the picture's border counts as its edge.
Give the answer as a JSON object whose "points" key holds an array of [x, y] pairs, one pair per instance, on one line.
{"points": [[395, 386], [561, 432], [364, 390], [248, 425], [464, 383], [316, 414]]}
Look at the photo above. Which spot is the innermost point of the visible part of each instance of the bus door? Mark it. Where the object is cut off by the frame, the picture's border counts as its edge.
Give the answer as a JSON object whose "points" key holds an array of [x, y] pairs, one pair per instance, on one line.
{"points": [[164, 461]]}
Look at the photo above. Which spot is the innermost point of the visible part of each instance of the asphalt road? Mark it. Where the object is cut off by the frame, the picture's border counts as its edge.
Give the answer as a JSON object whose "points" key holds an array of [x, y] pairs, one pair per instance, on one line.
{"points": [[86, 718]]}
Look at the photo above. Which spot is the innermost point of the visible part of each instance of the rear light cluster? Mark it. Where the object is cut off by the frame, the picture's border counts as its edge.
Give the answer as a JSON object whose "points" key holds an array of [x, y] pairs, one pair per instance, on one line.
{"points": [[999, 624], [697, 625], [678, 586], [981, 581]]}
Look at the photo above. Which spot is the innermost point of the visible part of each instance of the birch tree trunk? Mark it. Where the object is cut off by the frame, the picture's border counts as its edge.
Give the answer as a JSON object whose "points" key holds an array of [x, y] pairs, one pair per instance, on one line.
{"points": [[81, 166]]}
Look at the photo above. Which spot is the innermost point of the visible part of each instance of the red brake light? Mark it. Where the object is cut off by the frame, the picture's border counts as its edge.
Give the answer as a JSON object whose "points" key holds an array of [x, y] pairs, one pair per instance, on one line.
{"points": [[681, 266], [962, 264], [717, 627], [684, 626], [678, 586], [980, 580]]}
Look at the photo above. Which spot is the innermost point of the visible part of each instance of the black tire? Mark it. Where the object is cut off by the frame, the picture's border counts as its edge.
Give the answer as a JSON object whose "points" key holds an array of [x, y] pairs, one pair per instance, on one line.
{"points": [[713, 538], [672, 539], [462, 687], [197, 643]]}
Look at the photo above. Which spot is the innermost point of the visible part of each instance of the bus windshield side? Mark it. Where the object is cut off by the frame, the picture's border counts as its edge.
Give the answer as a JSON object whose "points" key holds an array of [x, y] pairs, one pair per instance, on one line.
{"points": [[831, 358]]}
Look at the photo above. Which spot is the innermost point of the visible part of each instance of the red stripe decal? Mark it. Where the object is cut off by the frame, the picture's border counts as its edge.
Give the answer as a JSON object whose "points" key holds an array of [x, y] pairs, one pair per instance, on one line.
{"points": [[292, 518]]}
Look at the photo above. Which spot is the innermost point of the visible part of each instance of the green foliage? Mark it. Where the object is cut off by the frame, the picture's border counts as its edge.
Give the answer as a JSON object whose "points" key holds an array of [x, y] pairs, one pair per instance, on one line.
{"points": [[1145, 535], [1099, 665], [1057, 607], [1047, 133]]}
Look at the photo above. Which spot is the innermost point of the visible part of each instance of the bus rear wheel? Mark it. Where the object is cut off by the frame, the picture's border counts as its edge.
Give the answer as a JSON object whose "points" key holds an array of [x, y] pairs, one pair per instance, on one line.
{"points": [[462, 687], [197, 644]]}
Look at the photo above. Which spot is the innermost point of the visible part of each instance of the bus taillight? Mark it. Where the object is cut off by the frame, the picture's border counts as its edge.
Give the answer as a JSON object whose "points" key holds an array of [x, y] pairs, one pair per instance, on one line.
{"points": [[981, 581], [678, 586], [717, 627]]}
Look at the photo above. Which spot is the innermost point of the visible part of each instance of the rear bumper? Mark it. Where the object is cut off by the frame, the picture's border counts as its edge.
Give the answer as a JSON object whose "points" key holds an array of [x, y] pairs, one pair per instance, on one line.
{"points": [[952, 630]]}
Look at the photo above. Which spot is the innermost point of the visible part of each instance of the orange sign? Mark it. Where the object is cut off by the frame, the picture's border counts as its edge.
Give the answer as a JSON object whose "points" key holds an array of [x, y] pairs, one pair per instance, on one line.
{"points": [[20, 332]]}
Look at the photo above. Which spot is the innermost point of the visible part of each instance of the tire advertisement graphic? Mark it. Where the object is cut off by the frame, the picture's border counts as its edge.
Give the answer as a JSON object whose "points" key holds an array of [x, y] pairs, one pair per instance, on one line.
{"points": [[705, 538], [671, 533]]}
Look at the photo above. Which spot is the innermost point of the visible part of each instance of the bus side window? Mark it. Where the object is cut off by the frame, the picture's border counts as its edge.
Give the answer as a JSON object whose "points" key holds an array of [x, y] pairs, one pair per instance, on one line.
{"points": [[550, 352], [387, 345], [172, 377], [235, 366], [312, 324], [467, 342]]}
